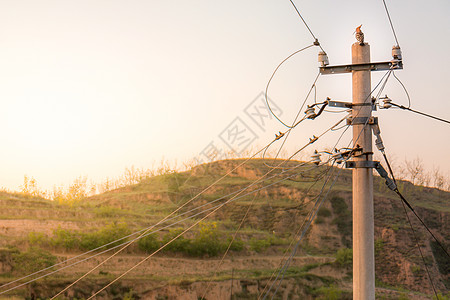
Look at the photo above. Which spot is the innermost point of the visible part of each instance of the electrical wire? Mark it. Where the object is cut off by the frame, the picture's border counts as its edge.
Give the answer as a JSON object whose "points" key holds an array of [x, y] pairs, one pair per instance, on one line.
{"points": [[298, 232], [270, 80], [420, 113], [277, 137], [217, 207], [310, 141], [384, 78], [309, 221], [339, 128], [420, 250], [404, 88], [410, 224], [154, 231], [294, 123], [304, 22], [163, 246], [167, 215], [197, 195], [421, 221], [390, 22], [229, 246], [190, 227], [202, 211], [404, 204], [307, 224], [175, 211]]}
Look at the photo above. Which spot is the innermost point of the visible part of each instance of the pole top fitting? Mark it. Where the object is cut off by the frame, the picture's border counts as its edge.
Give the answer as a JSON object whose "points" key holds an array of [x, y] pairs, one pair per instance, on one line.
{"points": [[396, 52], [323, 59]]}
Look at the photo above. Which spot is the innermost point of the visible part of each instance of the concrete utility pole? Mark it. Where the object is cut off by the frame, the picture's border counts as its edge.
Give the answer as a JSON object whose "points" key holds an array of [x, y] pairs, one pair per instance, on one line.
{"points": [[362, 121], [363, 222]]}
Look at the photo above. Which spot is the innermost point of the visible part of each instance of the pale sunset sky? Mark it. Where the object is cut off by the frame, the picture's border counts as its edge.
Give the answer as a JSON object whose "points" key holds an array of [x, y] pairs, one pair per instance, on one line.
{"points": [[88, 88]]}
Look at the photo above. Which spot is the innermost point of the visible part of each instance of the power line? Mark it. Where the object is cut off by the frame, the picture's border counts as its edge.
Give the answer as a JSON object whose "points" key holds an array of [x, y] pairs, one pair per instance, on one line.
{"points": [[110, 243], [154, 231], [385, 79], [176, 210], [405, 202], [294, 122], [107, 259], [420, 250], [270, 80], [304, 22], [297, 232], [410, 224], [308, 221], [390, 22], [404, 88], [229, 246], [197, 222], [421, 113], [421, 221], [165, 245], [220, 206]]}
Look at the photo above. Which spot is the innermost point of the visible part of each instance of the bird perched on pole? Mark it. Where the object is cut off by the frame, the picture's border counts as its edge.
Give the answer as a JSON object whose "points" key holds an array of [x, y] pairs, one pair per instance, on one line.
{"points": [[359, 35]]}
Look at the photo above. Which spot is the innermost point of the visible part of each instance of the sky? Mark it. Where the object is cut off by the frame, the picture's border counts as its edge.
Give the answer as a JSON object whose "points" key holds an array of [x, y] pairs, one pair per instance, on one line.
{"points": [[89, 88]]}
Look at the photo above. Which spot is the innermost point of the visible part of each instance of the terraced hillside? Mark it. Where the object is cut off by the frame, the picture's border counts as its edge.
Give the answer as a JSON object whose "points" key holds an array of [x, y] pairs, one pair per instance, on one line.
{"points": [[257, 223]]}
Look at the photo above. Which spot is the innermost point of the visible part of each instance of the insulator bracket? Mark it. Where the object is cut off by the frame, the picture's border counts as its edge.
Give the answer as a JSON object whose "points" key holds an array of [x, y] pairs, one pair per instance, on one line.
{"points": [[362, 120], [374, 66], [356, 164]]}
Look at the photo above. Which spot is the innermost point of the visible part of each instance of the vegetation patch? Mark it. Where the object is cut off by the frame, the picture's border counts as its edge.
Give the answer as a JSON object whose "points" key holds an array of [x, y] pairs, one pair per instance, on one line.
{"points": [[32, 260], [344, 257], [442, 261], [76, 240], [343, 219]]}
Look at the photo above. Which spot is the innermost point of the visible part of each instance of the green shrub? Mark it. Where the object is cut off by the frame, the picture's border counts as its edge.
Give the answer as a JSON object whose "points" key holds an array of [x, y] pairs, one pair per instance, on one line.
{"points": [[181, 244], [149, 243], [64, 238], [442, 297], [129, 295], [37, 239], [67, 239], [206, 241], [441, 258], [328, 293], [32, 260], [402, 296], [259, 245], [237, 245], [343, 219], [106, 235], [107, 211], [378, 246], [6, 257], [344, 257]]}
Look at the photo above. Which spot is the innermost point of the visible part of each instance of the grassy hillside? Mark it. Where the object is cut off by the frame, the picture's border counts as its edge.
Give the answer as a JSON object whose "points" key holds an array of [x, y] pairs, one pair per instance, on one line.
{"points": [[262, 219]]}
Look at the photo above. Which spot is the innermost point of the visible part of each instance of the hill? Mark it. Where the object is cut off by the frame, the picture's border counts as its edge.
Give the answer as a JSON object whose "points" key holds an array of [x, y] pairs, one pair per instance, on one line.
{"points": [[262, 218]]}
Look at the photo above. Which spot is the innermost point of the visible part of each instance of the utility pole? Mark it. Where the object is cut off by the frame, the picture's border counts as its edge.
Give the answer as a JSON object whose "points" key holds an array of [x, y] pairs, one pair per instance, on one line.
{"points": [[363, 222], [362, 164]]}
